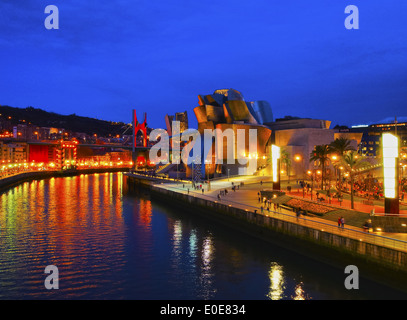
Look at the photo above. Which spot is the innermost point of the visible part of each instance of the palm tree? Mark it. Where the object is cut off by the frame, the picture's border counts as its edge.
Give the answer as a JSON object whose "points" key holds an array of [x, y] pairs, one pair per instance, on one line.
{"points": [[320, 155], [339, 147], [351, 162]]}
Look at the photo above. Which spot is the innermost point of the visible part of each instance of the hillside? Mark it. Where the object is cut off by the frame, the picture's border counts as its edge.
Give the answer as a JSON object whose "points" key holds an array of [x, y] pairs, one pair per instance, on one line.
{"points": [[71, 122]]}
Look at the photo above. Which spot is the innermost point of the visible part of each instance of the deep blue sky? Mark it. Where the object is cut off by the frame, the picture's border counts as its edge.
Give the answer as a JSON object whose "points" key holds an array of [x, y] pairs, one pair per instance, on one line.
{"points": [[109, 57]]}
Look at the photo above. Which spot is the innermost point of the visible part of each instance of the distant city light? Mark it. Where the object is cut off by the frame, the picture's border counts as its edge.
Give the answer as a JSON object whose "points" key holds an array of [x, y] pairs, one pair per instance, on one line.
{"points": [[360, 126]]}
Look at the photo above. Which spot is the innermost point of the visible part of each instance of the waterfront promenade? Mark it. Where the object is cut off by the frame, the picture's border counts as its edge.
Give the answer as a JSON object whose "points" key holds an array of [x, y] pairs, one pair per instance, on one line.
{"points": [[246, 197], [12, 180]]}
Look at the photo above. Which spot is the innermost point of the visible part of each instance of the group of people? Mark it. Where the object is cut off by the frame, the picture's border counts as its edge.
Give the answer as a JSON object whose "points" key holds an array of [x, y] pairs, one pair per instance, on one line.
{"points": [[341, 222], [195, 187], [266, 204], [224, 192]]}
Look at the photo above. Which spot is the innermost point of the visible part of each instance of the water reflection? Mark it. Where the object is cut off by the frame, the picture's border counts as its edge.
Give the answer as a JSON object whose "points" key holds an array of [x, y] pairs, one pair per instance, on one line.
{"points": [[176, 246], [299, 292], [193, 245], [145, 212], [62, 221], [207, 275], [277, 283], [113, 246]]}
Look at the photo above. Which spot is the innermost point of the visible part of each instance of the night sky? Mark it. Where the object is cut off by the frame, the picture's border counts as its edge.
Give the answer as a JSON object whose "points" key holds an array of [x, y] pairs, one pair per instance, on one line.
{"points": [[109, 57]]}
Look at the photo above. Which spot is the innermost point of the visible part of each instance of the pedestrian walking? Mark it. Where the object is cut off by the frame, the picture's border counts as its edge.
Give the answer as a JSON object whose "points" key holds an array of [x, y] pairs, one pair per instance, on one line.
{"points": [[342, 222], [365, 227], [339, 222]]}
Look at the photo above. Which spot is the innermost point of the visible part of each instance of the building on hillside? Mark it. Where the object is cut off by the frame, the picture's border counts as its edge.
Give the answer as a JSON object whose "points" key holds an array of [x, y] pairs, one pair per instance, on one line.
{"points": [[13, 151]]}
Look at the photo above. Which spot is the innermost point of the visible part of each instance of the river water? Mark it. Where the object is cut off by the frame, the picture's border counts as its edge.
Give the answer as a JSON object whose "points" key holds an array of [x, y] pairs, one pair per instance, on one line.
{"points": [[109, 245]]}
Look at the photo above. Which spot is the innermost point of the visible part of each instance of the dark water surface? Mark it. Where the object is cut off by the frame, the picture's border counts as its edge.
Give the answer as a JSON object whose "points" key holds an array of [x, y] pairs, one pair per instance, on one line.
{"points": [[108, 245]]}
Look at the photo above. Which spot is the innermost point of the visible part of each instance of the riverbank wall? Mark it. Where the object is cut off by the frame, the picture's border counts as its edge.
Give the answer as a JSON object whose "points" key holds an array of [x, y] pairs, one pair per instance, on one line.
{"points": [[12, 181], [379, 263]]}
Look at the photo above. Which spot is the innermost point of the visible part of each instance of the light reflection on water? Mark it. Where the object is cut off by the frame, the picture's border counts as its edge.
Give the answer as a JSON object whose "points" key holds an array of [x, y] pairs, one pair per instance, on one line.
{"points": [[276, 282], [113, 246]]}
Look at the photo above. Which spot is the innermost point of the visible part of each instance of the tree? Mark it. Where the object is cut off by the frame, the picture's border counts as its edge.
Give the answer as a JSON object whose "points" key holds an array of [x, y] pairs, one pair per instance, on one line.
{"points": [[351, 162], [339, 147], [320, 155], [285, 159]]}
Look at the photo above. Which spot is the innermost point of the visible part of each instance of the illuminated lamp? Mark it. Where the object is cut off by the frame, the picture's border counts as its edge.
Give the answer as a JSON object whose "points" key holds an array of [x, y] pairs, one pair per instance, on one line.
{"points": [[390, 145]]}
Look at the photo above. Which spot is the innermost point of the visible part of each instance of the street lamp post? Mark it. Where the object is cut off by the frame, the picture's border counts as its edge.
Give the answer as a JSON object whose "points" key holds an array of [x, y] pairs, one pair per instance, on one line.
{"points": [[298, 158], [192, 174], [207, 174], [310, 173], [312, 184], [177, 159]]}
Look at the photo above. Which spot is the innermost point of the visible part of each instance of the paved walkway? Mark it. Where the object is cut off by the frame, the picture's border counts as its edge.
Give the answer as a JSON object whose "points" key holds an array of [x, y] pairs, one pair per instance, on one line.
{"points": [[246, 198]]}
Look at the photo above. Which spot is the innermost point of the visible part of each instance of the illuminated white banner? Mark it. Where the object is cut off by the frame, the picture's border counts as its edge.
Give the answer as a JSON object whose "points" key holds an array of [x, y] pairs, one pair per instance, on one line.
{"points": [[390, 154], [275, 155]]}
